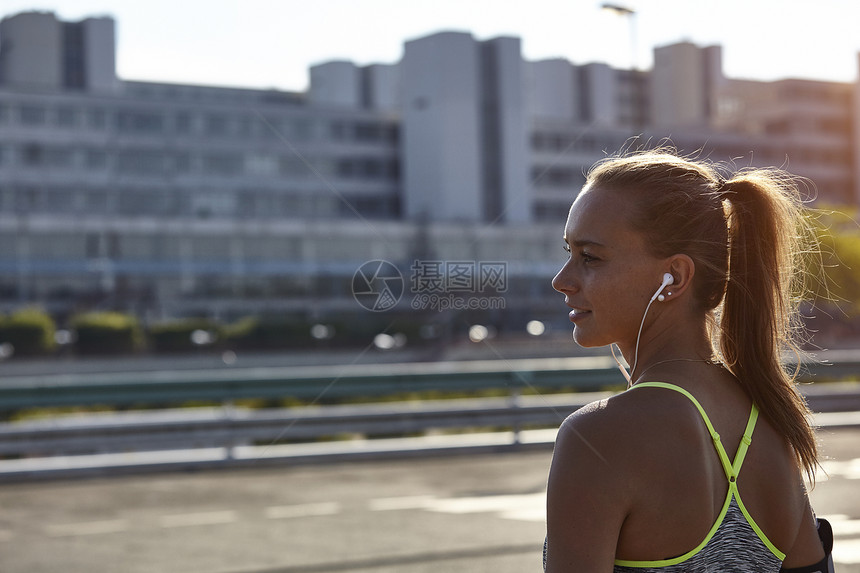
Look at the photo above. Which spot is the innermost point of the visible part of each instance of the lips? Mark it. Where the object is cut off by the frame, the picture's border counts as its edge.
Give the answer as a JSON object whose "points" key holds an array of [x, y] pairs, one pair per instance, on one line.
{"points": [[577, 314]]}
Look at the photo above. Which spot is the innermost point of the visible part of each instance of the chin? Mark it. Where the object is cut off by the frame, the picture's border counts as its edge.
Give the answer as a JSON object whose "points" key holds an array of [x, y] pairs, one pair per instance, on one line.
{"points": [[584, 341]]}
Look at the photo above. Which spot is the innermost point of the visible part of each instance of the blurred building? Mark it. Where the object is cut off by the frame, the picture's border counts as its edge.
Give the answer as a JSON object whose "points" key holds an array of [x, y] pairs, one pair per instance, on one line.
{"points": [[173, 199]]}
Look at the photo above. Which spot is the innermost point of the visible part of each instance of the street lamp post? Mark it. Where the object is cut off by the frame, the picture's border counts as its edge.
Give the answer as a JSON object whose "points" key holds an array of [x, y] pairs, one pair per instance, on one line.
{"points": [[630, 14]]}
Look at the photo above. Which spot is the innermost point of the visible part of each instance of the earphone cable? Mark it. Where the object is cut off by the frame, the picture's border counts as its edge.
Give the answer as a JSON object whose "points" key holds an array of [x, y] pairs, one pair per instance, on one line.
{"points": [[629, 376]]}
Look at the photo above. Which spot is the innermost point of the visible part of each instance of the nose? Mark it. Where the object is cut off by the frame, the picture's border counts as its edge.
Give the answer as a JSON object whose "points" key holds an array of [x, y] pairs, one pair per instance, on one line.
{"points": [[564, 281]]}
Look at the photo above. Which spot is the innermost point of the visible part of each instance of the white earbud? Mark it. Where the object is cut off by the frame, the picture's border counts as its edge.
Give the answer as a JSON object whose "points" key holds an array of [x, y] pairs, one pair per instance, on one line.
{"points": [[667, 280]]}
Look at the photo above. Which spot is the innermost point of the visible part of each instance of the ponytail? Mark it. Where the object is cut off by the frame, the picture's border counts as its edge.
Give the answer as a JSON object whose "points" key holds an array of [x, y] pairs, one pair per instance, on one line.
{"points": [[758, 319]]}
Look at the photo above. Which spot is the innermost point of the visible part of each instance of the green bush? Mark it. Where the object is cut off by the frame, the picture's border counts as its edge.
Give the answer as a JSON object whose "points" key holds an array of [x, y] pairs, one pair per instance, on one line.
{"points": [[176, 335], [30, 332], [359, 329], [292, 332], [271, 333], [839, 239], [107, 333], [237, 333]]}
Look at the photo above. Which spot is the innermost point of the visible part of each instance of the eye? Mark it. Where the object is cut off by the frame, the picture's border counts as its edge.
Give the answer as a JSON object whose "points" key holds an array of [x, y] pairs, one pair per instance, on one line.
{"points": [[588, 257], [566, 248]]}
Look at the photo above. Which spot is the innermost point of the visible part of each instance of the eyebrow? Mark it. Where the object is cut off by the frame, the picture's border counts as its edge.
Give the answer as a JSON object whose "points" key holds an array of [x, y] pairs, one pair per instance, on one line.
{"points": [[583, 242]]}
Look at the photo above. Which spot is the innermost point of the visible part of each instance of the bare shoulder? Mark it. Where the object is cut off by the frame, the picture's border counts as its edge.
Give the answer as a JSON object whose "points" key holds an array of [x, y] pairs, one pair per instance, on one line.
{"points": [[595, 478], [586, 495], [622, 425], [611, 443]]}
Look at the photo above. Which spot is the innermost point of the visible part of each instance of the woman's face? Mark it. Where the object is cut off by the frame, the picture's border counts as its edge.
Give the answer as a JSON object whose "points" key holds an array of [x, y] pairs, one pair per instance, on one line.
{"points": [[609, 276]]}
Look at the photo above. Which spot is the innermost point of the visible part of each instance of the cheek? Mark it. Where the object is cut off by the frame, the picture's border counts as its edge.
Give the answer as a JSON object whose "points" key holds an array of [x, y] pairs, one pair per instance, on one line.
{"points": [[602, 289], [617, 302]]}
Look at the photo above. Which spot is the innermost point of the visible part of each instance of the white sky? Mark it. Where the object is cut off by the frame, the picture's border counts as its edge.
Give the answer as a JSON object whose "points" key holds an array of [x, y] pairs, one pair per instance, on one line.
{"points": [[271, 43]]}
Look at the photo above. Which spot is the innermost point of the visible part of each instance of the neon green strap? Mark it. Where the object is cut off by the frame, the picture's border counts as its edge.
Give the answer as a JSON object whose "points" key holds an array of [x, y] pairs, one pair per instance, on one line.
{"points": [[745, 441], [730, 468], [688, 554]]}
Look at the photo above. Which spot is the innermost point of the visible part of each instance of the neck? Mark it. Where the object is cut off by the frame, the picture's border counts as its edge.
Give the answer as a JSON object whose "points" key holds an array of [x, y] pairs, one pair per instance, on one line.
{"points": [[641, 374], [679, 341]]}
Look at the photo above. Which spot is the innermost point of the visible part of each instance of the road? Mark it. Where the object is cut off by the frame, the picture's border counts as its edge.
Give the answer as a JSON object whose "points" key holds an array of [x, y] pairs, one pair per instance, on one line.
{"points": [[480, 513]]}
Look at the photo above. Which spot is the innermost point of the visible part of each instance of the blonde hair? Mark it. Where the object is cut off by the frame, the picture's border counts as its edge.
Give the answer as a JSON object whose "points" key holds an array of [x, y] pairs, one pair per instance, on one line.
{"points": [[747, 236]]}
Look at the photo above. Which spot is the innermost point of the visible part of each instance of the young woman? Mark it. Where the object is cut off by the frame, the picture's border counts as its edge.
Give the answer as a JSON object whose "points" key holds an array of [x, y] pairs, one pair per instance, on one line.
{"points": [[699, 466]]}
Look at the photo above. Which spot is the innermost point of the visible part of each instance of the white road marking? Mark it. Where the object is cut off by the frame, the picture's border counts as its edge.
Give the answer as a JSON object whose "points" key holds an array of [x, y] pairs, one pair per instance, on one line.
{"points": [[843, 525], [201, 518], [522, 507], [846, 546], [847, 469], [396, 503], [303, 510], [85, 528], [846, 551]]}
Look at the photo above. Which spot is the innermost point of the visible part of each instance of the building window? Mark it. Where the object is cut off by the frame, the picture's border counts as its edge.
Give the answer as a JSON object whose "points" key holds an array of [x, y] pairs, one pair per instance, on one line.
{"points": [[261, 164], [59, 201], [27, 199], [324, 166], [211, 203], [145, 202], [337, 130], [182, 122], [292, 167], [97, 119], [95, 159], [246, 205], [550, 212], [368, 131], [244, 126], [555, 176], [370, 207], [32, 155], [59, 157], [33, 115], [95, 202], [301, 129], [182, 162], [223, 164], [393, 169], [66, 117], [370, 169], [346, 168], [139, 122], [93, 246], [270, 128], [365, 168], [140, 161], [216, 125]]}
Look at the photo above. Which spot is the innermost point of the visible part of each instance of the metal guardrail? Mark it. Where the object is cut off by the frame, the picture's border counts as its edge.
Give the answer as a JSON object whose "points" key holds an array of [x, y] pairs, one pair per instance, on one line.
{"points": [[164, 389], [230, 427], [307, 383]]}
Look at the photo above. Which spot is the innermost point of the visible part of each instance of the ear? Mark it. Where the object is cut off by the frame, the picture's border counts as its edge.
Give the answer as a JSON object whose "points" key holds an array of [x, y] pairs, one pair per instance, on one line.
{"points": [[683, 269]]}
